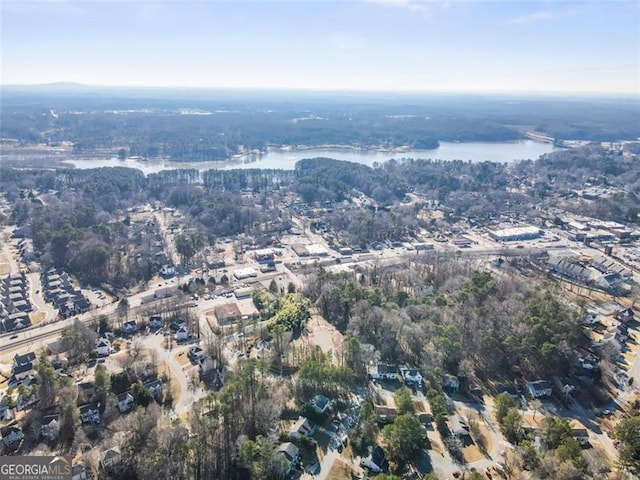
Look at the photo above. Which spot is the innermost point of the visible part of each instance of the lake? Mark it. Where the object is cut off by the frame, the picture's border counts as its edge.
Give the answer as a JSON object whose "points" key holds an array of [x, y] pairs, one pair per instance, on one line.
{"points": [[501, 152]]}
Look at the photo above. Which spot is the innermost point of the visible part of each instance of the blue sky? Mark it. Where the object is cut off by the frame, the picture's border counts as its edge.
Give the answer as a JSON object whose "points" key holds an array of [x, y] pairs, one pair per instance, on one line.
{"points": [[401, 45]]}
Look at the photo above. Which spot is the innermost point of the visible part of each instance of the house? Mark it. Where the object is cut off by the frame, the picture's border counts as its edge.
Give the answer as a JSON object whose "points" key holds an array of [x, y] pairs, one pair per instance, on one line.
{"points": [[264, 255], [379, 458], [86, 391], [540, 388], [155, 388], [196, 354], [6, 413], [625, 316], [129, 328], [155, 322], [622, 332], [451, 382], [81, 304], [28, 397], [59, 366], [175, 324], [384, 413], [213, 376], [50, 426], [320, 403], [182, 334], [412, 376], [79, 472], [382, 371], [167, 271], [125, 402], [103, 347], [302, 427], [89, 413], [290, 454], [12, 435], [110, 458], [459, 427], [21, 372], [581, 436], [26, 359]]}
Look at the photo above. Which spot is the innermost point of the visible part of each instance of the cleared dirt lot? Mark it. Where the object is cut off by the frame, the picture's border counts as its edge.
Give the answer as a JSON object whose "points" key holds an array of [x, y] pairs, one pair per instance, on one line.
{"points": [[5, 266]]}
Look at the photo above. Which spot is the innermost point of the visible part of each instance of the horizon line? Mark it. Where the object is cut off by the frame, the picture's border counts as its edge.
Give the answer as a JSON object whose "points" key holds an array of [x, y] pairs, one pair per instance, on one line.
{"points": [[350, 90]]}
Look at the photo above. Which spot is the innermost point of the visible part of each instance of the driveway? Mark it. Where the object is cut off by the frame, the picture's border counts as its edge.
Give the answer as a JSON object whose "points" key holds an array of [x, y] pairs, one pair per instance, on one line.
{"points": [[37, 300], [189, 393]]}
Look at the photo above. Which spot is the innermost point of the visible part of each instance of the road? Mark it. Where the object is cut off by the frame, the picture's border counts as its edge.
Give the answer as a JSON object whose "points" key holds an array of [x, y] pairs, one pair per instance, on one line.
{"points": [[169, 245], [37, 300], [42, 334], [46, 333], [189, 393]]}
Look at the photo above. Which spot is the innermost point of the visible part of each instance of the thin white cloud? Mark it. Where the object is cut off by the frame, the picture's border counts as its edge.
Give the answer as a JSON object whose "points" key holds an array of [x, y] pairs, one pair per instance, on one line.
{"points": [[423, 7], [535, 17]]}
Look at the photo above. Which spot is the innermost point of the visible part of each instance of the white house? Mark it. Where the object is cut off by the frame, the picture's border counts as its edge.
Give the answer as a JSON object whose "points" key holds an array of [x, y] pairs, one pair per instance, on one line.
{"points": [[540, 388], [103, 347], [382, 371], [182, 334], [412, 375], [302, 427], [125, 402], [167, 271]]}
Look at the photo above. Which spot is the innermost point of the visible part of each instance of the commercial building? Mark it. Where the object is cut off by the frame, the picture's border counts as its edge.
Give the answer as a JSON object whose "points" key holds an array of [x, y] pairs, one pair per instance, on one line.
{"points": [[312, 250], [515, 234], [245, 273], [265, 255]]}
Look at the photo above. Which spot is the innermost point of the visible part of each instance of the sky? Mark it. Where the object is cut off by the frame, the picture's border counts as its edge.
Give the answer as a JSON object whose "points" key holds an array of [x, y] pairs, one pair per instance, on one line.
{"points": [[368, 45]]}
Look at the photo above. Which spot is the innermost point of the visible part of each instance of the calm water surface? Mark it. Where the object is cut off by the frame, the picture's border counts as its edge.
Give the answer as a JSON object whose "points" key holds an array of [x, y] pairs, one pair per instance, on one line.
{"points": [[475, 151]]}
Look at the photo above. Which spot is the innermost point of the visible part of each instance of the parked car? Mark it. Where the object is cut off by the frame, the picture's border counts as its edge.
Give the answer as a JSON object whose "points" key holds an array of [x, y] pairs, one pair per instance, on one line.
{"points": [[604, 413]]}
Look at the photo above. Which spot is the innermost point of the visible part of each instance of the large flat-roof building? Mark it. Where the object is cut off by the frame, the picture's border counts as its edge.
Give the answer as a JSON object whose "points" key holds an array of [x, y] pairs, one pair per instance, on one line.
{"points": [[243, 273], [312, 250], [515, 234], [264, 255]]}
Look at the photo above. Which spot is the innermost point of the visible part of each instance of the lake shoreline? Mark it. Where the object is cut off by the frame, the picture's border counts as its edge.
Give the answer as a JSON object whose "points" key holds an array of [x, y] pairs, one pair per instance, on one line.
{"points": [[284, 158]]}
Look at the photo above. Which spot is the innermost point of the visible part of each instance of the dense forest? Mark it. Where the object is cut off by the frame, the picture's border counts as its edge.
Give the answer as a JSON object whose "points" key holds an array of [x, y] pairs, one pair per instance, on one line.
{"points": [[447, 318], [210, 126]]}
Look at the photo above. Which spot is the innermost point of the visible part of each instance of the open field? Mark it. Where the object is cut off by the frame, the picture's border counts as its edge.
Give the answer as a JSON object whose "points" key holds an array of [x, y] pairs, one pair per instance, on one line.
{"points": [[5, 266], [37, 317]]}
